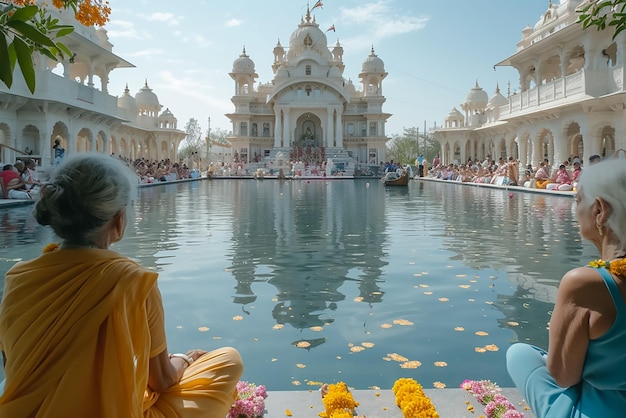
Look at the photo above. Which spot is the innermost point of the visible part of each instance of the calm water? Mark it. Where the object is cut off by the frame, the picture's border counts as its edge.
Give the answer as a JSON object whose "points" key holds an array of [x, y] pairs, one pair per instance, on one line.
{"points": [[323, 281]]}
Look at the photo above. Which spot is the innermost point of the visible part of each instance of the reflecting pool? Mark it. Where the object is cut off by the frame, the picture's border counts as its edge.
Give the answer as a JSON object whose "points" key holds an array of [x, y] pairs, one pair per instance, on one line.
{"points": [[320, 281]]}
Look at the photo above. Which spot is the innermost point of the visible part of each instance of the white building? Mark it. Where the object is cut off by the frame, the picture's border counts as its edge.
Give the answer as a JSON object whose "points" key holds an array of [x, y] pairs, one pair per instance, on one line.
{"points": [[309, 108], [69, 106], [571, 101]]}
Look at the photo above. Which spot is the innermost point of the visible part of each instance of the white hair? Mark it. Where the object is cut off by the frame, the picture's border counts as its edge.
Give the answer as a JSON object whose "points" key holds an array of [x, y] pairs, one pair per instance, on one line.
{"points": [[607, 180]]}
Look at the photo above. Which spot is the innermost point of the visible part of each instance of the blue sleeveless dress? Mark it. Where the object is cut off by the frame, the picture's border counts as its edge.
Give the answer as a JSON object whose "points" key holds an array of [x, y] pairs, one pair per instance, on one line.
{"points": [[602, 391]]}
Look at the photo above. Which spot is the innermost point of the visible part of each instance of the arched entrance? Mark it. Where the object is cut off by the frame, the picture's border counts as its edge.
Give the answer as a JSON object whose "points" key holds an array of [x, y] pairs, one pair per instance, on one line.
{"points": [[309, 131]]}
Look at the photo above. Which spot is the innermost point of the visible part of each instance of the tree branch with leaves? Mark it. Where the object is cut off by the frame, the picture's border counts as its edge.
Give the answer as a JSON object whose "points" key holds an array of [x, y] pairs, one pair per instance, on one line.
{"points": [[26, 27], [603, 14]]}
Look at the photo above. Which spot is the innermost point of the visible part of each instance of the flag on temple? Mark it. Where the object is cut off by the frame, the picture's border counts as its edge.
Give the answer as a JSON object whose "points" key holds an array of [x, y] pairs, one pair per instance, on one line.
{"points": [[332, 27], [316, 5]]}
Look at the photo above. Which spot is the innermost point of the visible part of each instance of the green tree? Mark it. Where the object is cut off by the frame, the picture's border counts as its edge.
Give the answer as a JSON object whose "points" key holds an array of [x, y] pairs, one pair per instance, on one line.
{"points": [[193, 142], [406, 147], [26, 28], [603, 13]]}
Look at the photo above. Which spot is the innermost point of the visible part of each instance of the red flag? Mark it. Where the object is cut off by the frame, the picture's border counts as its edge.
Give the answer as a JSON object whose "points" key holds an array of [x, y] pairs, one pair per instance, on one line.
{"points": [[332, 27], [316, 5]]}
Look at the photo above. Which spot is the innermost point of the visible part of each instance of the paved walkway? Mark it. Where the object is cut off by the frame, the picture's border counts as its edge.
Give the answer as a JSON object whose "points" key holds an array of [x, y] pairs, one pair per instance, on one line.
{"points": [[450, 403]]}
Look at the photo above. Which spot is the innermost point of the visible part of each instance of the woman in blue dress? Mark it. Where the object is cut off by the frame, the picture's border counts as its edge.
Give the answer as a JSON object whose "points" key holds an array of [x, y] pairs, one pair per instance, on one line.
{"points": [[583, 373]]}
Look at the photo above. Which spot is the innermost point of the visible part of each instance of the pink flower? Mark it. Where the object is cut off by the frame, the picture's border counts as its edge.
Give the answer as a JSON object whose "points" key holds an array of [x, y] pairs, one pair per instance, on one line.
{"points": [[250, 401]]}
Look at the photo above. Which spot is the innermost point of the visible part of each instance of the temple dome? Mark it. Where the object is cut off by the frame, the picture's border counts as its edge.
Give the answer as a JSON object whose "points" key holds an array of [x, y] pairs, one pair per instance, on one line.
{"points": [[373, 64], [308, 36], [477, 96], [497, 99], [126, 101], [146, 97], [243, 64]]}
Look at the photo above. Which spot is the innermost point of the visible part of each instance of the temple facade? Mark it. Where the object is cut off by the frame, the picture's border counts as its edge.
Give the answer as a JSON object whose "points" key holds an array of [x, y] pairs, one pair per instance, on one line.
{"points": [[309, 111], [571, 99], [72, 104]]}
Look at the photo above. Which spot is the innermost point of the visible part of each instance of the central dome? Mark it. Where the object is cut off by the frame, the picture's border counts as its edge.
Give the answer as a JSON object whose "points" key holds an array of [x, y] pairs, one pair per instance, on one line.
{"points": [[308, 36]]}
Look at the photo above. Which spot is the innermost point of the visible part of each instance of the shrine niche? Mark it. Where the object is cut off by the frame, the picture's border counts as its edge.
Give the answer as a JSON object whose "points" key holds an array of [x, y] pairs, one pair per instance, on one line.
{"points": [[308, 131]]}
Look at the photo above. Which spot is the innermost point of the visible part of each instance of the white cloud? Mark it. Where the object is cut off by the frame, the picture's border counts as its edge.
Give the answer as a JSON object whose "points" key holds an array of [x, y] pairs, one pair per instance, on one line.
{"points": [[234, 22], [170, 18], [125, 29], [380, 22], [151, 52]]}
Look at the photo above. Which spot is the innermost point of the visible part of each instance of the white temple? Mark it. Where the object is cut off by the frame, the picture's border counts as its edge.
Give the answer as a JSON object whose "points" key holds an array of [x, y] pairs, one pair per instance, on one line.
{"points": [[68, 105], [571, 101], [309, 112]]}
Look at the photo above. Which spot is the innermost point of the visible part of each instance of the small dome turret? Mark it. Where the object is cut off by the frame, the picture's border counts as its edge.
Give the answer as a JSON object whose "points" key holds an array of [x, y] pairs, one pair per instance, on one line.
{"points": [[146, 97], [243, 64], [477, 96], [373, 64], [126, 101], [497, 99]]}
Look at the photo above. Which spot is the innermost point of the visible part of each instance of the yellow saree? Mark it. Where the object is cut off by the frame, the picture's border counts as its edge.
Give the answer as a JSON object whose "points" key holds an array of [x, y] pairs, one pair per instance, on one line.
{"points": [[75, 327]]}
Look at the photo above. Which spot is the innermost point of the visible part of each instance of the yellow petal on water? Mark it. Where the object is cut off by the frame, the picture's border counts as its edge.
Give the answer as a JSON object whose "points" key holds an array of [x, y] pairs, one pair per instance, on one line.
{"points": [[274, 359], [464, 286], [402, 322], [217, 337], [481, 333], [350, 344], [461, 275], [423, 285], [317, 329], [300, 365], [358, 299], [492, 347], [203, 329], [459, 329], [395, 357], [338, 357], [367, 345], [489, 302], [386, 326], [428, 293], [375, 388], [443, 299], [513, 323], [471, 300], [479, 349], [449, 267], [179, 327], [413, 364], [441, 364], [357, 349], [274, 300], [237, 318], [314, 383], [477, 277], [417, 275], [473, 281], [278, 326], [303, 344], [439, 385], [296, 383], [525, 304]]}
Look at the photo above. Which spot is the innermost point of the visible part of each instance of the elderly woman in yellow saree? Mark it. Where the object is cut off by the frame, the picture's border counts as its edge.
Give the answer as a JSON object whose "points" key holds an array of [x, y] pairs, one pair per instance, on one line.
{"points": [[82, 327]]}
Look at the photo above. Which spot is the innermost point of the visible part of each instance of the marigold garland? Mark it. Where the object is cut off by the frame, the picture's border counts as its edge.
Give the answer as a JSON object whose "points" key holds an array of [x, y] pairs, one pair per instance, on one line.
{"points": [[617, 266], [338, 401], [412, 401], [50, 247], [87, 12]]}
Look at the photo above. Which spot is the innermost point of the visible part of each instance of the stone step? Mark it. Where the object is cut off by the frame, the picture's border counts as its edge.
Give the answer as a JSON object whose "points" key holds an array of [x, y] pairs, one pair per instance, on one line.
{"points": [[450, 403]]}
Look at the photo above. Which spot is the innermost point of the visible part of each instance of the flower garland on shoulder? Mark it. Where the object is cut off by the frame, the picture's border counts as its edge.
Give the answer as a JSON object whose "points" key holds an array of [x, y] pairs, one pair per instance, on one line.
{"points": [[488, 394], [412, 401], [50, 247], [617, 266]]}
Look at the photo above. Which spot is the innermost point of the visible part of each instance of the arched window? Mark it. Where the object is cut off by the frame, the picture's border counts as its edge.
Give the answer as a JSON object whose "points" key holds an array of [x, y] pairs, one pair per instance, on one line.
{"points": [[266, 129], [243, 129], [373, 129], [307, 69]]}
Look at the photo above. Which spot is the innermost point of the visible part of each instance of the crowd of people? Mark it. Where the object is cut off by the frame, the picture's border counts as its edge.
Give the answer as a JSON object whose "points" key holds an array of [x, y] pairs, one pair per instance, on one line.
{"points": [[507, 173]]}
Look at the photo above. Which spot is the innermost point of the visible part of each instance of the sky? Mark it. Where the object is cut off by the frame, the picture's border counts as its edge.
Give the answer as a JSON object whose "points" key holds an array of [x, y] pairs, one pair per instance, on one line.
{"points": [[434, 51]]}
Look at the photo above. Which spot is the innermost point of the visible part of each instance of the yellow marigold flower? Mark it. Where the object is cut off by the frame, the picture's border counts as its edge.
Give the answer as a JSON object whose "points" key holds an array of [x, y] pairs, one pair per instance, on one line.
{"points": [[50, 247], [288, 413]]}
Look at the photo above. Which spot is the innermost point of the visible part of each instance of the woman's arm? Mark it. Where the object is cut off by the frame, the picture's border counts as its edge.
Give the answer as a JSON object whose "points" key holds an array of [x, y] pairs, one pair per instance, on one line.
{"points": [[579, 305], [165, 372]]}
